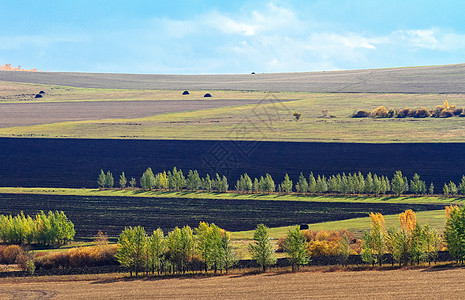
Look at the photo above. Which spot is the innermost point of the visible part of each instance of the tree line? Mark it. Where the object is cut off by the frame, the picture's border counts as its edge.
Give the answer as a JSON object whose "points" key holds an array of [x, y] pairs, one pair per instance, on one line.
{"points": [[173, 253], [45, 229], [344, 184]]}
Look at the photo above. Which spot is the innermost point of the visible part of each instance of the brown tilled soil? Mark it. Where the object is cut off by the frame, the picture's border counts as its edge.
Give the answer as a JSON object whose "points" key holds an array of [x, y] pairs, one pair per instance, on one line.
{"points": [[434, 79], [394, 284], [24, 114]]}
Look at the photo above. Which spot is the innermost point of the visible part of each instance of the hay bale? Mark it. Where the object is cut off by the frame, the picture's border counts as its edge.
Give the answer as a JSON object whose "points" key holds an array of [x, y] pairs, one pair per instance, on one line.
{"points": [[38, 96], [185, 93], [253, 73], [207, 95], [303, 226], [41, 92]]}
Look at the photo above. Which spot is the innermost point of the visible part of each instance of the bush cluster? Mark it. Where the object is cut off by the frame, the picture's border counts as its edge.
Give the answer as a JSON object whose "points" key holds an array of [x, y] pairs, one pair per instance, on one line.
{"points": [[77, 257], [440, 111], [44, 229], [327, 243]]}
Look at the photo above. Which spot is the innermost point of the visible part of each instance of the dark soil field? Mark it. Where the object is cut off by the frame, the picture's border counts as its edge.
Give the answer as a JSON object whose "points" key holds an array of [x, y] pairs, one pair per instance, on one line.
{"points": [[112, 214], [76, 163], [434, 79], [24, 114]]}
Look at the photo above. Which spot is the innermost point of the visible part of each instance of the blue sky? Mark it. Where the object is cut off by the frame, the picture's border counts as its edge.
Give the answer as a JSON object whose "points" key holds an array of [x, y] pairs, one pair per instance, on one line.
{"points": [[208, 37]]}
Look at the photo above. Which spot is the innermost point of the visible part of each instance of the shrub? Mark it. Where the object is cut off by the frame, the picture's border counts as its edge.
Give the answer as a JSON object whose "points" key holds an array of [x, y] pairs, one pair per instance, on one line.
{"points": [[297, 115], [380, 112], [405, 112], [11, 253], [391, 113], [457, 111], [422, 113], [445, 113], [437, 111], [51, 260], [361, 114]]}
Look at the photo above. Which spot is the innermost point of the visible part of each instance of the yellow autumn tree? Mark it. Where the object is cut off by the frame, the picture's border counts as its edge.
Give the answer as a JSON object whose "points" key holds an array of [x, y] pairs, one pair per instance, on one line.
{"points": [[449, 210], [408, 220]]}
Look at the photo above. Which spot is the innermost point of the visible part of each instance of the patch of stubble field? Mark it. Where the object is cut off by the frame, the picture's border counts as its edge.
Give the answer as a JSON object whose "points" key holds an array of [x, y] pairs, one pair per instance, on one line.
{"points": [[430, 283]]}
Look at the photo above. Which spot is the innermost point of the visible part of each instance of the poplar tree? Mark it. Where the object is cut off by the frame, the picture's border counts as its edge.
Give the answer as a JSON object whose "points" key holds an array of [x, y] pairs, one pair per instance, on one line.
{"points": [[101, 179], [109, 181], [147, 181], [286, 185], [131, 249], [398, 183], [311, 184], [455, 232], [302, 184], [262, 250], [156, 248], [374, 241], [122, 180], [295, 245]]}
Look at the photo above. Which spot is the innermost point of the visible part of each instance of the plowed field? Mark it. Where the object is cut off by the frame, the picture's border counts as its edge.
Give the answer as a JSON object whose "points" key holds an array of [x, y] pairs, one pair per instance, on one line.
{"points": [[395, 284]]}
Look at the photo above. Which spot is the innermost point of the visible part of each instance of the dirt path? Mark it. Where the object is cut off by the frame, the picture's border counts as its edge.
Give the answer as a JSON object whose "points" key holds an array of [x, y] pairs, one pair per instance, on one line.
{"points": [[395, 284]]}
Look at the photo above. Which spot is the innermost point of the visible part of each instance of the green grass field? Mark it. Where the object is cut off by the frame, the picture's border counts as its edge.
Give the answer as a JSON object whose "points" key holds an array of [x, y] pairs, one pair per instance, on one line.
{"points": [[235, 196], [267, 122]]}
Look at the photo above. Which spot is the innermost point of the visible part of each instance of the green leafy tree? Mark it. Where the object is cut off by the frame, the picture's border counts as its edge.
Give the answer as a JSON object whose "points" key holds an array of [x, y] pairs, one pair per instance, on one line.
{"points": [[193, 181], [431, 189], [462, 186], [156, 248], [455, 232], [446, 190], [453, 190], [311, 184], [101, 179], [256, 185], [417, 186], [286, 185], [109, 181], [122, 180], [321, 185], [147, 181], [295, 245], [262, 251], [180, 243], [344, 249], [132, 183], [374, 241], [302, 184], [398, 183], [214, 245], [131, 251], [207, 183], [369, 184]]}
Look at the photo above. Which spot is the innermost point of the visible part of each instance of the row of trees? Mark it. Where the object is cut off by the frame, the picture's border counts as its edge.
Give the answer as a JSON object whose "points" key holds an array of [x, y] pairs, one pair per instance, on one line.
{"points": [[344, 184], [208, 243], [173, 252], [413, 243], [44, 229], [352, 183]]}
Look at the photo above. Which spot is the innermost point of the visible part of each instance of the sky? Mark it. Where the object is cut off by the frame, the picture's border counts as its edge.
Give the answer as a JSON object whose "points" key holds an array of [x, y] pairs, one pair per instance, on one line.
{"points": [[229, 37]]}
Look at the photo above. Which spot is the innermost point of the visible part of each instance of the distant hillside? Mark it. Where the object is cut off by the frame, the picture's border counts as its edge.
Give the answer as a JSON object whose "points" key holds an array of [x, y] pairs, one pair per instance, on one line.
{"points": [[432, 79]]}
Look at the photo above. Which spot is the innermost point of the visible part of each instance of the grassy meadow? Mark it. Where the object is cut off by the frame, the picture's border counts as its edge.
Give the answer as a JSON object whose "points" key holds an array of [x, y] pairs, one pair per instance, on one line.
{"points": [[270, 121]]}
